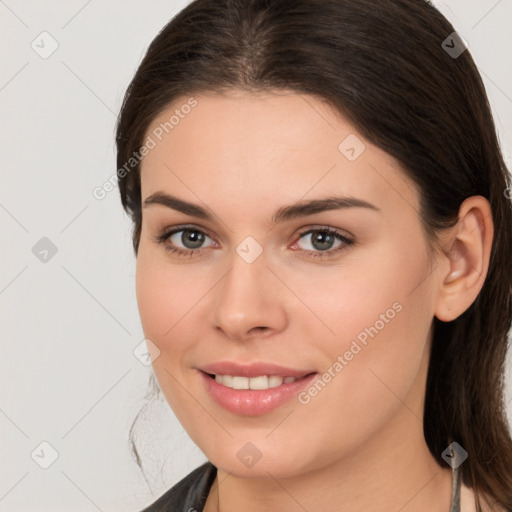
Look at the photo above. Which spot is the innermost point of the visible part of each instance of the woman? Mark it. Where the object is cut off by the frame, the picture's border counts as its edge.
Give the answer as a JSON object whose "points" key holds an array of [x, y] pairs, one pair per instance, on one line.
{"points": [[323, 240]]}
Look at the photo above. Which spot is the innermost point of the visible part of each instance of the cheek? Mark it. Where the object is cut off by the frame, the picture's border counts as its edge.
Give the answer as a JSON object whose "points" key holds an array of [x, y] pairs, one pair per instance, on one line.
{"points": [[365, 291], [158, 310], [153, 301], [165, 295], [375, 316], [164, 299]]}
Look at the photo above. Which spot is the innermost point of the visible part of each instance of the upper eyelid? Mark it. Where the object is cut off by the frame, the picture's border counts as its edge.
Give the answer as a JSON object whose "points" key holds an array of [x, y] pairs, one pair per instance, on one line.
{"points": [[167, 232]]}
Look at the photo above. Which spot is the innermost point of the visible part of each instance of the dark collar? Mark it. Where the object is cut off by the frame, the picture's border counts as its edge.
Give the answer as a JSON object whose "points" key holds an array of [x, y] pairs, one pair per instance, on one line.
{"points": [[190, 493]]}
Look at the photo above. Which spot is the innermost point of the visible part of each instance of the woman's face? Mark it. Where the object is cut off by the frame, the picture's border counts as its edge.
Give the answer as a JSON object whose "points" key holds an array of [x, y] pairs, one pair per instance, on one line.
{"points": [[255, 281]]}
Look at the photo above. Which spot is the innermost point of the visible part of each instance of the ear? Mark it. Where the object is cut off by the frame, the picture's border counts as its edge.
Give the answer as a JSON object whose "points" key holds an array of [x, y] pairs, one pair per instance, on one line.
{"points": [[464, 261]]}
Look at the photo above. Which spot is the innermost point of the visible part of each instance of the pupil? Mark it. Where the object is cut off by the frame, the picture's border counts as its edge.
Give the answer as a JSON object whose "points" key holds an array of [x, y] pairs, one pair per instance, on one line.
{"points": [[323, 241], [192, 239]]}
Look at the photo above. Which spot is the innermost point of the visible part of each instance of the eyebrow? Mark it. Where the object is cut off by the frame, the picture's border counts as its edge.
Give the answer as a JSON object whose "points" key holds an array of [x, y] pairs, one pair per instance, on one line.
{"points": [[283, 214]]}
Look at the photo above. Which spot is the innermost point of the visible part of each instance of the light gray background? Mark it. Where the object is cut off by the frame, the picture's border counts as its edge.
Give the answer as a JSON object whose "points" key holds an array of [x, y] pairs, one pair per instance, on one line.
{"points": [[68, 375]]}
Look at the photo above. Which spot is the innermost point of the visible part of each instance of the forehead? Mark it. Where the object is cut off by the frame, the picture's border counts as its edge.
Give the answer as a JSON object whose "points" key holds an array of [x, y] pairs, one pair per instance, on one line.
{"points": [[274, 147]]}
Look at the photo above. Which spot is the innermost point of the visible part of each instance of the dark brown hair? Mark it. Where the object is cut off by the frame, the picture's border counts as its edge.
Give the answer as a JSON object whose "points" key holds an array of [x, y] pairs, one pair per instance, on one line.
{"points": [[382, 65]]}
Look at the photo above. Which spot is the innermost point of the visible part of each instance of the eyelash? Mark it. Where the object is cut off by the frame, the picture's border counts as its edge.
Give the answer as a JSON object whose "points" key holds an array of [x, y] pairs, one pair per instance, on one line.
{"points": [[346, 242]]}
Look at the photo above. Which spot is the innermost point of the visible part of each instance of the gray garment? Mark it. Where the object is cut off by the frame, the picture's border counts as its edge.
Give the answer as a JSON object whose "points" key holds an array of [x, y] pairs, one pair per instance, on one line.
{"points": [[190, 493]]}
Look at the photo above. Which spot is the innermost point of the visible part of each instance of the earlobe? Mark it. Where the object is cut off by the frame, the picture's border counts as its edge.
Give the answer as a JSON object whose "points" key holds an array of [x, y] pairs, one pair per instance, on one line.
{"points": [[466, 259]]}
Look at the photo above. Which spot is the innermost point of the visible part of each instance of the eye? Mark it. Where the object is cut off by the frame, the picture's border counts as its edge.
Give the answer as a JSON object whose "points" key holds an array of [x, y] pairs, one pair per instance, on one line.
{"points": [[184, 241], [322, 242]]}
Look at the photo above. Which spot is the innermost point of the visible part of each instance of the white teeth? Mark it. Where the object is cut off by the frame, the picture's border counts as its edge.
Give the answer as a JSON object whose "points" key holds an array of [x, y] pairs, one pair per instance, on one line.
{"points": [[261, 382], [239, 382], [274, 381], [227, 380]]}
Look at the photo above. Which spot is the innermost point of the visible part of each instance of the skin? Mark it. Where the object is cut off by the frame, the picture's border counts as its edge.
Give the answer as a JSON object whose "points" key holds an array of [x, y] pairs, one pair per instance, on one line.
{"points": [[358, 444]]}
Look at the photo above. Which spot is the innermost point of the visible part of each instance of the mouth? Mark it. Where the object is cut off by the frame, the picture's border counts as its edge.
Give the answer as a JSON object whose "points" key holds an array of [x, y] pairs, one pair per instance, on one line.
{"points": [[254, 390], [260, 382]]}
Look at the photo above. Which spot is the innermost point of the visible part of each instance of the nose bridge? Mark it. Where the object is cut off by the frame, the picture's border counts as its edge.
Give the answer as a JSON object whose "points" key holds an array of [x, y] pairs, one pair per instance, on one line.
{"points": [[248, 297]]}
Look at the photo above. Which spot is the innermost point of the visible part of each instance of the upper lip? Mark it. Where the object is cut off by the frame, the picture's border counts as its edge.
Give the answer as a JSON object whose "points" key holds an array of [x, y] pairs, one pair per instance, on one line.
{"points": [[252, 369]]}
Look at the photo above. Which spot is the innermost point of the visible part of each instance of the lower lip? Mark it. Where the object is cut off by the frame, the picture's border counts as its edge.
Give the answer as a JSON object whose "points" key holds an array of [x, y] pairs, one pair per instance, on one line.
{"points": [[253, 402]]}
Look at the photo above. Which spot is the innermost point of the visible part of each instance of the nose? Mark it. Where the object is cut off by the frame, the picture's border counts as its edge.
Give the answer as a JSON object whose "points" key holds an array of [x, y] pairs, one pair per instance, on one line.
{"points": [[249, 301]]}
